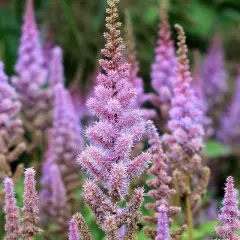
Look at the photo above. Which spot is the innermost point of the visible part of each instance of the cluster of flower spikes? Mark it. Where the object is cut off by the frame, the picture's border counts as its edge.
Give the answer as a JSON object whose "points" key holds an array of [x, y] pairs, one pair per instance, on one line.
{"points": [[119, 126], [12, 143], [214, 77], [131, 58], [32, 76], [59, 169], [229, 131], [164, 68], [161, 191], [30, 209], [185, 142], [198, 87], [229, 215]]}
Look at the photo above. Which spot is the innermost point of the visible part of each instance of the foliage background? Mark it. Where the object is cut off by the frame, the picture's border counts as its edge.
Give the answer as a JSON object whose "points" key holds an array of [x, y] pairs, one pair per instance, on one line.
{"points": [[77, 25]]}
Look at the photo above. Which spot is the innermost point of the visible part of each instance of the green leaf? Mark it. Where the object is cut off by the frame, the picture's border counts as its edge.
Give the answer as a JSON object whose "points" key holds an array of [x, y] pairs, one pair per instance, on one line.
{"points": [[216, 149]]}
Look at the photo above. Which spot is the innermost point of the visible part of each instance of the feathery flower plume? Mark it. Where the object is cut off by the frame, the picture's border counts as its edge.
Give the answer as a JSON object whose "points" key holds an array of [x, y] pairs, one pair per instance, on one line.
{"points": [[30, 205], [32, 77], [11, 131], [12, 211], [214, 77], [163, 232], [229, 129], [56, 74], [185, 143], [229, 216], [161, 191], [73, 230], [164, 68], [198, 87], [118, 128], [131, 58]]}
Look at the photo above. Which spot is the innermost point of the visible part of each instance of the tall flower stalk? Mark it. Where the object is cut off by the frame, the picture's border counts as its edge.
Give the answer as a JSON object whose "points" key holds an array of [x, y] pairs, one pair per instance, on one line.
{"points": [[186, 140], [119, 127], [229, 214], [31, 79], [163, 74]]}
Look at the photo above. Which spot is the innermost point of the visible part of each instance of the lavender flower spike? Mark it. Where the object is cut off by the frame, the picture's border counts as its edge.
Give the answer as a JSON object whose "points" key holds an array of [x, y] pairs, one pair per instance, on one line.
{"points": [[228, 132], [185, 122], [229, 216], [163, 232], [214, 76], [164, 68], [30, 205], [12, 212], [107, 160], [56, 67], [73, 230]]}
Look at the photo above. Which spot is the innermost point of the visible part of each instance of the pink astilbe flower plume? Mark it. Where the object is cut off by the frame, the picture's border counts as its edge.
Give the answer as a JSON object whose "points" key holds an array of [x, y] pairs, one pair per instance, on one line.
{"points": [[119, 127], [161, 191], [12, 212], [164, 68], [214, 77], [30, 205], [229, 215], [186, 117], [32, 76], [163, 232], [229, 131], [12, 144], [73, 230]]}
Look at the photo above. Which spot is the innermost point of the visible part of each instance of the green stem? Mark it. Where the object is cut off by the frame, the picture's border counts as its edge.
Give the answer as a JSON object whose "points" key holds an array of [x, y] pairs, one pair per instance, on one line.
{"points": [[189, 212]]}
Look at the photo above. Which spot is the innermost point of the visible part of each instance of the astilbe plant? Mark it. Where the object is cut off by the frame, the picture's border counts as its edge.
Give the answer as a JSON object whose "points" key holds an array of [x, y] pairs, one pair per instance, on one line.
{"points": [[229, 215], [214, 77], [65, 141], [229, 131], [73, 230], [119, 126], [186, 140], [31, 80], [12, 211], [12, 143], [134, 78], [30, 209], [161, 191], [163, 74]]}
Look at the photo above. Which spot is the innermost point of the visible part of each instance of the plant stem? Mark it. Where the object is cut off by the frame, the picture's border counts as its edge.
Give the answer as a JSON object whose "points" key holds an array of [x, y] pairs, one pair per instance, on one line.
{"points": [[189, 212]]}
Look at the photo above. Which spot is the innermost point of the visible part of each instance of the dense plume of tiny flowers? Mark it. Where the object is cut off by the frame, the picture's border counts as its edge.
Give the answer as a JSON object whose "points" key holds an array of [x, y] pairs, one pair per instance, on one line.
{"points": [[229, 131], [214, 75], [30, 205], [163, 232], [229, 214], [119, 126], [32, 75], [11, 210], [186, 139], [73, 231], [11, 131], [164, 68], [134, 78]]}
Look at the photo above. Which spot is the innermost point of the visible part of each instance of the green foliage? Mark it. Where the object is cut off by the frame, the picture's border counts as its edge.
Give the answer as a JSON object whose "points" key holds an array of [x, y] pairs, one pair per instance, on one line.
{"points": [[216, 149]]}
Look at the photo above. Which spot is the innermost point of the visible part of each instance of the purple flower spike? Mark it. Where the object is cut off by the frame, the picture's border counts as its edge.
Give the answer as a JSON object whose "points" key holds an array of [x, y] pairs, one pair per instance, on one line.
{"points": [[185, 122], [164, 67], [73, 230], [229, 215], [163, 232], [12, 212], [214, 75], [229, 131], [56, 67], [30, 205]]}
